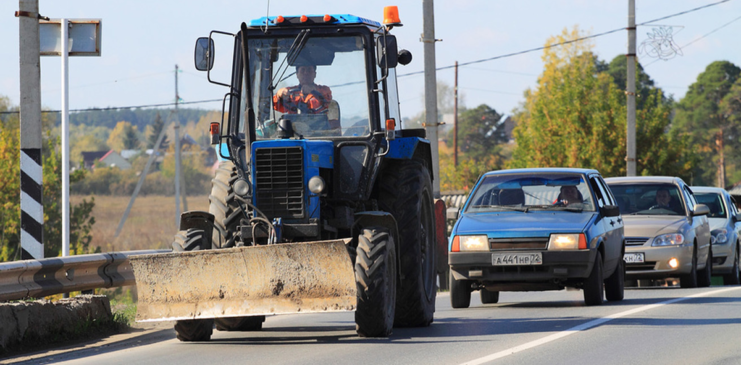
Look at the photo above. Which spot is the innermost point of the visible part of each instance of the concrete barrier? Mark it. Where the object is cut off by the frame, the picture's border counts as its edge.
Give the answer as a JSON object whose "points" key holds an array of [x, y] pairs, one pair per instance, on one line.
{"points": [[41, 321]]}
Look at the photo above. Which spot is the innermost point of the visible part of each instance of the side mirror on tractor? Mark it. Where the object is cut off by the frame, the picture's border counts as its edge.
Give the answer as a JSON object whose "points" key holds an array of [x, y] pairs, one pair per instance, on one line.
{"points": [[204, 54], [387, 52]]}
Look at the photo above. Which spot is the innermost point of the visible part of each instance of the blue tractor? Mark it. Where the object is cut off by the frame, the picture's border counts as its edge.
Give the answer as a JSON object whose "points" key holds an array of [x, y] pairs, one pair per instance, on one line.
{"points": [[320, 202]]}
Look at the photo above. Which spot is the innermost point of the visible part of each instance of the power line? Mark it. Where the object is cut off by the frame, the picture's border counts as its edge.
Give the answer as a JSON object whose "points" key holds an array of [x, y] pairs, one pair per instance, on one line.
{"points": [[698, 38], [566, 42], [444, 67], [123, 107]]}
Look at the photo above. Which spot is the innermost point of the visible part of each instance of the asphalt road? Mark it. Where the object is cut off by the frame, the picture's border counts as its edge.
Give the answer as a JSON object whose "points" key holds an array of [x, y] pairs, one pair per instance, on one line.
{"points": [[651, 326]]}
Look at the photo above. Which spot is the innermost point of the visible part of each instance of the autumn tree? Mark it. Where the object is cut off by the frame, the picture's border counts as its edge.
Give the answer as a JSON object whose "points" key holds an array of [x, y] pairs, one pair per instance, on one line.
{"points": [[124, 137], [81, 219], [576, 117], [699, 116]]}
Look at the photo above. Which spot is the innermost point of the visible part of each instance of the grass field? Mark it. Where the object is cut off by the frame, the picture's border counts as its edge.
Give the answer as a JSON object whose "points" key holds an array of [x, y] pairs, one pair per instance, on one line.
{"points": [[151, 223]]}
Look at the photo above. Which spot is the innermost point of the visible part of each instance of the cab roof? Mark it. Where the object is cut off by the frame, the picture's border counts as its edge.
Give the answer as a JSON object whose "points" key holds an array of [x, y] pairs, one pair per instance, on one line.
{"points": [[295, 20]]}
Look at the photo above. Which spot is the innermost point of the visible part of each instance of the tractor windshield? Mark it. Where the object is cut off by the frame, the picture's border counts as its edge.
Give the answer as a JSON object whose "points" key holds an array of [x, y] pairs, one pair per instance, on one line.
{"points": [[318, 83]]}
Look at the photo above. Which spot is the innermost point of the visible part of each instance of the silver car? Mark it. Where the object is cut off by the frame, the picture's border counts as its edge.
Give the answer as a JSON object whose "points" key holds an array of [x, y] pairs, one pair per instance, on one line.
{"points": [[667, 234], [724, 229]]}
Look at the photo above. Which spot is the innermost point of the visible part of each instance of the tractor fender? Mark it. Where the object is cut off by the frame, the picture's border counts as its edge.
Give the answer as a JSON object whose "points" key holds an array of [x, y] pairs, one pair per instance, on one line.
{"points": [[411, 148], [383, 219]]}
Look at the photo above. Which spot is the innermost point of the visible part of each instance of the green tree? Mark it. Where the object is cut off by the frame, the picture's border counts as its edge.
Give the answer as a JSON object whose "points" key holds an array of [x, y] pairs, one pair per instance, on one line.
{"points": [[153, 132], [576, 118], [480, 131], [730, 108], [699, 116], [124, 137]]}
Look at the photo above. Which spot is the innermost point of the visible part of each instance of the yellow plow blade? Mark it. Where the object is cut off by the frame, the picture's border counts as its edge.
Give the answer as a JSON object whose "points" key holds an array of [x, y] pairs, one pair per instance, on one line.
{"points": [[276, 279]]}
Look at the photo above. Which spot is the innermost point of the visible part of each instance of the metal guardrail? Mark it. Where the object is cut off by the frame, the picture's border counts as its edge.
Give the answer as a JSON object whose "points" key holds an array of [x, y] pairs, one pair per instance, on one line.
{"points": [[39, 278]]}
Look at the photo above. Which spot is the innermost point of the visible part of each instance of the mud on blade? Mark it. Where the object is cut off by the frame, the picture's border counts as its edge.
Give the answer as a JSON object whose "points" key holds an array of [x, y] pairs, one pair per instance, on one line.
{"points": [[282, 278]]}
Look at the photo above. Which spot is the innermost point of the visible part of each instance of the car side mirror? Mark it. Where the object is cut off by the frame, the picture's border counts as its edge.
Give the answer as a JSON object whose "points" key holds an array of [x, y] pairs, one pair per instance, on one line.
{"points": [[452, 213], [737, 217], [204, 54], [610, 210], [700, 209]]}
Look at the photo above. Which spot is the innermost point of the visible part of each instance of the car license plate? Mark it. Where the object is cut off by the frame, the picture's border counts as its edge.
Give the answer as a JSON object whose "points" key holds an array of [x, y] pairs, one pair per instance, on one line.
{"points": [[634, 258], [508, 259]]}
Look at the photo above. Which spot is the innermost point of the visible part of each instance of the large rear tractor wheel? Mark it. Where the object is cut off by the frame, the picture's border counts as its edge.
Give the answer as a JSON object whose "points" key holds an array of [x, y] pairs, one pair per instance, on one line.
{"points": [[615, 283], [195, 329], [406, 193], [375, 279], [593, 290], [225, 209]]}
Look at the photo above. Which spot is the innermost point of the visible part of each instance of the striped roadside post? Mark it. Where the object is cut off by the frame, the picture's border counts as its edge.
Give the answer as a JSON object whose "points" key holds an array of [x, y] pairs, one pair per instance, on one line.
{"points": [[32, 208], [32, 213]]}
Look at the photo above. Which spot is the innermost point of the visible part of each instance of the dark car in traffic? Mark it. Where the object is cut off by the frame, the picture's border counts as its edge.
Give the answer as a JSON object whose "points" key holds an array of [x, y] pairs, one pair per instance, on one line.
{"points": [[537, 229]]}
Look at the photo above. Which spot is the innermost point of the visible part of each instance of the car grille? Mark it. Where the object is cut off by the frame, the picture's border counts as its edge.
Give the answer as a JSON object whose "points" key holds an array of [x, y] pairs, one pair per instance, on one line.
{"points": [[635, 241], [279, 181], [518, 243], [644, 266]]}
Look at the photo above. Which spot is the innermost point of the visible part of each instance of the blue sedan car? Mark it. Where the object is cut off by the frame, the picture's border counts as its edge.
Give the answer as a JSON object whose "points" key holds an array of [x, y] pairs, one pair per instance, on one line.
{"points": [[537, 229]]}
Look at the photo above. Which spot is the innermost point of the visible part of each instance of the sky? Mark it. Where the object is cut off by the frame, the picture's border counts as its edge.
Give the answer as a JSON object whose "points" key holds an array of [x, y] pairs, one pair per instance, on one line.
{"points": [[143, 40]]}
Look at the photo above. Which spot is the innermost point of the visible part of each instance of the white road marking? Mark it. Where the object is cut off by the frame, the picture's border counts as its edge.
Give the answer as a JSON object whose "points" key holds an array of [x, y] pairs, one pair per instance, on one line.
{"points": [[586, 326]]}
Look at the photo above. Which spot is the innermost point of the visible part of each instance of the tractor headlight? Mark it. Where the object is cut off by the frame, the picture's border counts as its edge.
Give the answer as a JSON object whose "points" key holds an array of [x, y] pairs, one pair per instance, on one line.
{"points": [[474, 243], [719, 236], [317, 185], [671, 239], [242, 187]]}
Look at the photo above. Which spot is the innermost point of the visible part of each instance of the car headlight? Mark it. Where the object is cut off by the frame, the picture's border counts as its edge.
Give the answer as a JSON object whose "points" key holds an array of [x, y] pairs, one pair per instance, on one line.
{"points": [[474, 243], [671, 239], [719, 236], [567, 241]]}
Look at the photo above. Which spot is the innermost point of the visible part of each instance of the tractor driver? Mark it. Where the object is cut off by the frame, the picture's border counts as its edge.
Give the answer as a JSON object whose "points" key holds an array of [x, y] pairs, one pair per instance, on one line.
{"points": [[306, 97]]}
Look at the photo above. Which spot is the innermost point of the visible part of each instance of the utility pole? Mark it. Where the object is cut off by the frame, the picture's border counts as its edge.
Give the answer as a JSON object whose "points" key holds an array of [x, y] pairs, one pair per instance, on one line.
{"points": [[631, 91], [32, 208], [177, 154], [455, 119], [431, 124]]}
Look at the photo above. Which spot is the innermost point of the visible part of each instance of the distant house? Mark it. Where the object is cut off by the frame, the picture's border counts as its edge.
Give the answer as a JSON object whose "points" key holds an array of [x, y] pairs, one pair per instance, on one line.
{"points": [[108, 158], [90, 158]]}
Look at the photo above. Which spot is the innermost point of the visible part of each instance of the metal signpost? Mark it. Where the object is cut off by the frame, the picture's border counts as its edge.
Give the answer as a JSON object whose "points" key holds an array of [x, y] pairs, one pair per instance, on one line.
{"points": [[68, 37]]}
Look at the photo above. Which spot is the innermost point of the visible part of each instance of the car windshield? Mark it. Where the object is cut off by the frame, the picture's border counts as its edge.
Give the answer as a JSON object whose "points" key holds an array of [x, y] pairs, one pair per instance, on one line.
{"points": [[536, 191], [648, 199], [714, 201], [318, 83]]}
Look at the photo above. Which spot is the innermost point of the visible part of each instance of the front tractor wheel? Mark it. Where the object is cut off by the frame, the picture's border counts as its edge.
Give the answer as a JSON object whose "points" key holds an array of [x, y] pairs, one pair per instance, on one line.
{"points": [[224, 207], [375, 279], [194, 329], [406, 193]]}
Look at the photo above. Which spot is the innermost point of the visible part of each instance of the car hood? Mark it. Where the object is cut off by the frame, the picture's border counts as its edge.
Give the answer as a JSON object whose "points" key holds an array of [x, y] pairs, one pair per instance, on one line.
{"points": [[520, 224], [718, 223], [649, 226]]}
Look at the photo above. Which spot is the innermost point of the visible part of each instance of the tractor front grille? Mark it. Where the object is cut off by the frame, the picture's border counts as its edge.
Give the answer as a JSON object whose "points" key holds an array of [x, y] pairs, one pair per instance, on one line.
{"points": [[279, 182]]}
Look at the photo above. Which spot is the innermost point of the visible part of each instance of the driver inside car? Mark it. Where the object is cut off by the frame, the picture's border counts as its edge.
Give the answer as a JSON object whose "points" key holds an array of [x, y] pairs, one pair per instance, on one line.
{"points": [[306, 98]]}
